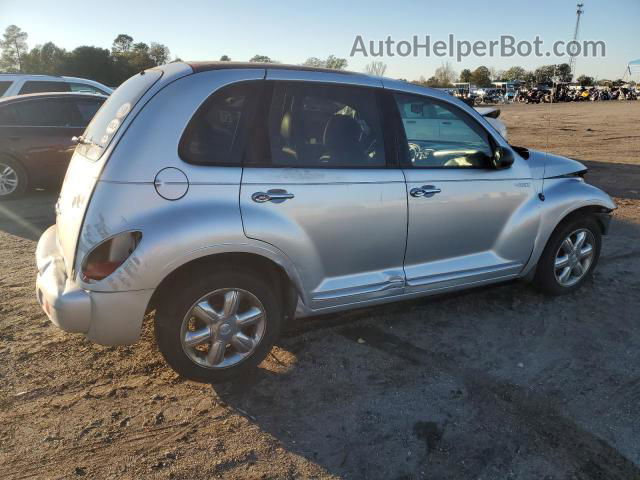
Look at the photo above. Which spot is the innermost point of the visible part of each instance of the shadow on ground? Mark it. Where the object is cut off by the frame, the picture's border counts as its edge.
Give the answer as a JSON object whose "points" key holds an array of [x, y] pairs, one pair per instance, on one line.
{"points": [[497, 382], [29, 216]]}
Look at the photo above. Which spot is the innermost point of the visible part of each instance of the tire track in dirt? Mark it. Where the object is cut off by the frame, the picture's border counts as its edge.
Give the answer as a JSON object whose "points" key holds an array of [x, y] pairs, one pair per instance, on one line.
{"points": [[590, 456]]}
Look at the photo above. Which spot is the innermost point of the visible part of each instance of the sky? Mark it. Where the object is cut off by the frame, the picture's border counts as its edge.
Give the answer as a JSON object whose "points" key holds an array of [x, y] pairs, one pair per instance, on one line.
{"points": [[291, 31]]}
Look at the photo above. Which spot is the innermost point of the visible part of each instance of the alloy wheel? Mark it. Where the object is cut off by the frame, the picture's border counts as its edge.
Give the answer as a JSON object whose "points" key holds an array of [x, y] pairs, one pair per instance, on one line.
{"points": [[8, 179], [223, 328], [574, 257]]}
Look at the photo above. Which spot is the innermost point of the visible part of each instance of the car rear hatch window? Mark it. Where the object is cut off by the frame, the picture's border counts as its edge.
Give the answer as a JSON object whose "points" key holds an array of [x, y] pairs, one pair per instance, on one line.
{"points": [[113, 113]]}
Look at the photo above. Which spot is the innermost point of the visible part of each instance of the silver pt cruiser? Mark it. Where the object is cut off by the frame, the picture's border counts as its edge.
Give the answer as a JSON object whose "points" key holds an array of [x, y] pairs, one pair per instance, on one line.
{"points": [[232, 197]]}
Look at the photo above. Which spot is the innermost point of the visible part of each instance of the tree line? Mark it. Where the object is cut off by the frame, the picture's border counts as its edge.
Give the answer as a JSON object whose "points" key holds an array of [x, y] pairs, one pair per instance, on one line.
{"points": [[110, 67], [126, 58]]}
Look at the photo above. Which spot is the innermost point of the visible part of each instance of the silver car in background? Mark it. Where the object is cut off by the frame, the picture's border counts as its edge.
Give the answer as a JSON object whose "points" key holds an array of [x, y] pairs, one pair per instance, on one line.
{"points": [[230, 198]]}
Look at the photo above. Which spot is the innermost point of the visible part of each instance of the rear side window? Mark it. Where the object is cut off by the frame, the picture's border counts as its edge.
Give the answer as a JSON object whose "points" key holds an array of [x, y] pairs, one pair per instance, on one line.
{"points": [[107, 121], [84, 88], [43, 113], [324, 126], [4, 86], [215, 134], [33, 86], [86, 109]]}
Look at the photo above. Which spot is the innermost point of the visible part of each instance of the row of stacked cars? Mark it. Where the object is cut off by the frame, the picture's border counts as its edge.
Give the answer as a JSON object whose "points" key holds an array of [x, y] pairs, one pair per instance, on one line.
{"points": [[39, 117]]}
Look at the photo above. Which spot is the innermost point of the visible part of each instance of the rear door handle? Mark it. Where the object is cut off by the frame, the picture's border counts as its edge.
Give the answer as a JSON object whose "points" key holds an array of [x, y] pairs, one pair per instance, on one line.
{"points": [[275, 196], [426, 191]]}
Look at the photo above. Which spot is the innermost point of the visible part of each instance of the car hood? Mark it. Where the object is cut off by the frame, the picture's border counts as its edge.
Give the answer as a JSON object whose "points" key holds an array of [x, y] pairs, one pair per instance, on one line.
{"points": [[547, 165]]}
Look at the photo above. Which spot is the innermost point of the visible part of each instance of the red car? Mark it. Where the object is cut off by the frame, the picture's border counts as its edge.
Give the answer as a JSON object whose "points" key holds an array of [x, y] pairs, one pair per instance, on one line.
{"points": [[36, 134]]}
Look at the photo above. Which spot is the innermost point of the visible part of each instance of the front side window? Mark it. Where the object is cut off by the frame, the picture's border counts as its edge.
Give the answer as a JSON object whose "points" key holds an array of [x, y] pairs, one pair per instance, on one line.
{"points": [[4, 86], [46, 112], [33, 86], [213, 134], [440, 135], [322, 125]]}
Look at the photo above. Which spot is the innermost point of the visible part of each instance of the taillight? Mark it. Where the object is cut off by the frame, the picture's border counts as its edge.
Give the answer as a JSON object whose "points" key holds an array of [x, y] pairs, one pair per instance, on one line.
{"points": [[107, 256]]}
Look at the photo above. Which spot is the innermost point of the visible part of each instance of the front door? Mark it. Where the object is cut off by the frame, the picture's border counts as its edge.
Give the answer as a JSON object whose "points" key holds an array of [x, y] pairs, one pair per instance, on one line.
{"points": [[319, 189], [468, 223]]}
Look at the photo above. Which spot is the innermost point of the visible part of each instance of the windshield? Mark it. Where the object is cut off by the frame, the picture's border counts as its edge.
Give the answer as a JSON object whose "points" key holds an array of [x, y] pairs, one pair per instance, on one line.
{"points": [[110, 117]]}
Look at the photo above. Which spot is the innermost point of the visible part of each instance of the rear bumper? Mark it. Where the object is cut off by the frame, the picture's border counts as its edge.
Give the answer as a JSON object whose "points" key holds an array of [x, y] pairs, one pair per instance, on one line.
{"points": [[108, 318]]}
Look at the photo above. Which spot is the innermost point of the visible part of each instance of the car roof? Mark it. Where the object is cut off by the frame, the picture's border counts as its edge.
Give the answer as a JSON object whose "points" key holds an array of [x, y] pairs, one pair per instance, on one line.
{"points": [[207, 66], [28, 96], [400, 85], [22, 75]]}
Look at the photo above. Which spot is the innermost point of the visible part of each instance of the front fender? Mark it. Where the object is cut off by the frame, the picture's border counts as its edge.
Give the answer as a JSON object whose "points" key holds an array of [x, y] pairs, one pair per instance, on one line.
{"points": [[562, 196]]}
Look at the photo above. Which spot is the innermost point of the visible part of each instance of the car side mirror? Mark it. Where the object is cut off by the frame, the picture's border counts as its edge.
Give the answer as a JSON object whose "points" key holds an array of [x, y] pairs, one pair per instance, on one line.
{"points": [[502, 158]]}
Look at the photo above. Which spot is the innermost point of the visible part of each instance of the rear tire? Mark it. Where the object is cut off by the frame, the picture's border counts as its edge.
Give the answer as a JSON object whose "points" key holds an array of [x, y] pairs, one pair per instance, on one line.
{"points": [[204, 307], [570, 256], [13, 179]]}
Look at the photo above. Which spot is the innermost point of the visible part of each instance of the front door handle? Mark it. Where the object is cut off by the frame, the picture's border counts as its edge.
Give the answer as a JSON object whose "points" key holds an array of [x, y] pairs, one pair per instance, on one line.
{"points": [[275, 196], [426, 191]]}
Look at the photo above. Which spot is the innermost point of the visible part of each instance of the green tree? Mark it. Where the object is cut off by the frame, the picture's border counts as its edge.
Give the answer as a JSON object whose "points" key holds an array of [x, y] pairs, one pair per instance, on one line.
{"points": [[563, 72], [45, 59], [481, 77], [529, 79], [225, 58], [261, 59], [121, 44], [159, 53], [465, 75], [515, 73], [331, 62], [92, 62], [585, 80], [545, 74], [13, 46], [139, 57], [432, 82], [335, 63]]}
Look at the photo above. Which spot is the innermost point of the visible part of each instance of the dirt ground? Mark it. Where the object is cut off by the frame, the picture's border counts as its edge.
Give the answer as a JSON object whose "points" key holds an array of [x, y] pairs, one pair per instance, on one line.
{"points": [[493, 383]]}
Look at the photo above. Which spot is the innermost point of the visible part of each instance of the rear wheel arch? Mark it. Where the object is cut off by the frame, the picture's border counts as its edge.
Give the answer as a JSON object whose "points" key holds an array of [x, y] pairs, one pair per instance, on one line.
{"points": [[248, 262]]}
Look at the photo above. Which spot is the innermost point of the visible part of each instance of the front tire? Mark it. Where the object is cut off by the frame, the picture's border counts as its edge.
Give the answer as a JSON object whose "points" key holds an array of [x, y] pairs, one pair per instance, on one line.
{"points": [[13, 179], [218, 326], [570, 256]]}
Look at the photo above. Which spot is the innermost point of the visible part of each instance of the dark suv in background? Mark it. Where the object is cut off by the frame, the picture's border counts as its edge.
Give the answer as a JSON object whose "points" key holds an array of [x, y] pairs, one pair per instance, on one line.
{"points": [[36, 134]]}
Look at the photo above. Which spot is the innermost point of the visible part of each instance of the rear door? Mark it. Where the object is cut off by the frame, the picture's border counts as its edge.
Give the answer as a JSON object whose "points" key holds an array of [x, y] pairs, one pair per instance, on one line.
{"points": [[317, 186], [468, 223]]}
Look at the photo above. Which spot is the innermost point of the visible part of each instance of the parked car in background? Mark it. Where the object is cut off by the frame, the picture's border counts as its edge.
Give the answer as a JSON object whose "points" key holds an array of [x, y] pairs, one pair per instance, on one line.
{"points": [[22, 84], [274, 191], [36, 133]]}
